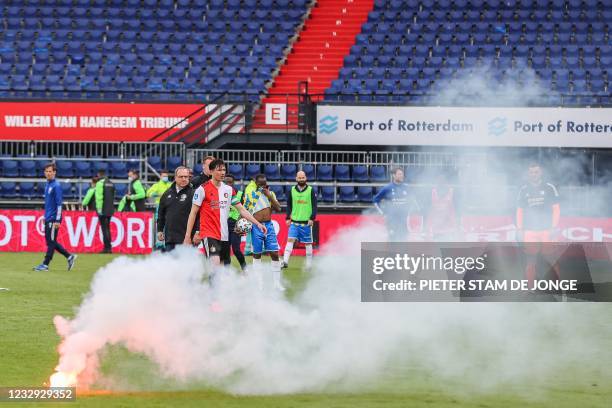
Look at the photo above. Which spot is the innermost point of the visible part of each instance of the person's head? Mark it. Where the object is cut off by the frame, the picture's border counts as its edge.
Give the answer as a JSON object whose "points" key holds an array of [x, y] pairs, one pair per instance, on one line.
{"points": [[217, 170], [133, 174], [229, 179], [261, 180], [398, 175], [534, 174], [101, 174], [50, 171], [300, 177], [163, 176], [206, 164], [181, 176], [94, 181]]}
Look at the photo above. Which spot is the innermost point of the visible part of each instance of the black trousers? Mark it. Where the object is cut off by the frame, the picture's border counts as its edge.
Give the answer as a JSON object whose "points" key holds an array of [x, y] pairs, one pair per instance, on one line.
{"points": [[52, 244], [106, 234], [234, 240]]}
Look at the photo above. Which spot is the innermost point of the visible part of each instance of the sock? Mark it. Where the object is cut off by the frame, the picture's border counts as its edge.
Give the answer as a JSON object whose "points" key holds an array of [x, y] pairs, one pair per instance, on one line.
{"points": [[276, 273], [287, 254], [308, 255], [257, 271]]}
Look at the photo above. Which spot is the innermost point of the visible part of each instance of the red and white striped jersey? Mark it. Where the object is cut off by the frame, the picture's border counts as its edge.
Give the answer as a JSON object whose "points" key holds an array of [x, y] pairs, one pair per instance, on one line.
{"points": [[215, 203]]}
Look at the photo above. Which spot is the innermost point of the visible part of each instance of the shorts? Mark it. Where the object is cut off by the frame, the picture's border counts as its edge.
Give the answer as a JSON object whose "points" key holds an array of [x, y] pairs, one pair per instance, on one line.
{"points": [[213, 247], [301, 232], [264, 243]]}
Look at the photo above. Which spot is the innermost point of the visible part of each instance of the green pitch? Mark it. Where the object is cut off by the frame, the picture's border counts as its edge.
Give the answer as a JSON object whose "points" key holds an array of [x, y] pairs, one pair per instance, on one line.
{"points": [[28, 355]]}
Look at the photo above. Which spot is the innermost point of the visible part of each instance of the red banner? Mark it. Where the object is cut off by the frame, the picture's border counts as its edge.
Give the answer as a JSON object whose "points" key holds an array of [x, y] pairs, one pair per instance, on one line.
{"points": [[23, 231], [87, 121]]}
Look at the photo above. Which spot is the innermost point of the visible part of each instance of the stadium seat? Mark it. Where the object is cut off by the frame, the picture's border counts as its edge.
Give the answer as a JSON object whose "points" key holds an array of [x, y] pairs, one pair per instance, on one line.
{"points": [[173, 162], [279, 191], [118, 169], [347, 194], [288, 171], [378, 173], [360, 173], [237, 170], [251, 171], [9, 168], [120, 190], [99, 165], [65, 169], [155, 162], [364, 194], [342, 172], [309, 169], [83, 168], [8, 189], [27, 168], [272, 172], [324, 172], [26, 190], [328, 194], [67, 192], [197, 169]]}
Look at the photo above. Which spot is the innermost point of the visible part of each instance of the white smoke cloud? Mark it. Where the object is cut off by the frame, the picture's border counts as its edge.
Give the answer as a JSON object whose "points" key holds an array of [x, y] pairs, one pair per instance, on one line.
{"points": [[326, 339]]}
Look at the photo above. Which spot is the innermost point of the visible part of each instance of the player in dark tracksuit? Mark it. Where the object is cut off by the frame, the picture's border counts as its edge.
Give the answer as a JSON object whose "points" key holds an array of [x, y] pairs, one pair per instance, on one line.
{"points": [[53, 219], [396, 202], [173, 210]]}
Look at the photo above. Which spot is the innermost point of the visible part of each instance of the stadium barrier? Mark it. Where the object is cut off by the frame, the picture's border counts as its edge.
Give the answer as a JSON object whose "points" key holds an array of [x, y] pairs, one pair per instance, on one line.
{"points": [[23, 230]]}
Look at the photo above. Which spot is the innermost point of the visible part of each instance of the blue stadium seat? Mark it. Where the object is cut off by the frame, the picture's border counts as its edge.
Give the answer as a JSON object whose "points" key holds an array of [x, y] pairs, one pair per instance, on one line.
{"points": [[8, 189], [9, 168], [118, 169], [155, 162], [27, 168], [279, 191], [360, 173], [324, 172], [327, 194], [67, 192], [26, 190], [309, 169], [83, 168], [251, 171], [272, 172], [342, 172], [237, 170], [65, 169], [100, 165], [288, 171], [347, 194], [364, 194], [120, 190], [173, 162]]}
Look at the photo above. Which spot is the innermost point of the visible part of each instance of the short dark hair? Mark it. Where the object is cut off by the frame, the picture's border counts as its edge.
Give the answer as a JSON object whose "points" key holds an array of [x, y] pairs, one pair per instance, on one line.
{"points": [[208, 158], [164, 171], [230, 175], [136, 172], [51, 165], [101, 173], [260, 176], [394, 170], [215, 163]]}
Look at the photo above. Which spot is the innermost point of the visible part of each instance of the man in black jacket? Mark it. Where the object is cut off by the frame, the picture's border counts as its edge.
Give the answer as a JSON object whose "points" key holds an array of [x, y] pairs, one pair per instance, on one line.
{"points": [[174, 208], [197, 181]]}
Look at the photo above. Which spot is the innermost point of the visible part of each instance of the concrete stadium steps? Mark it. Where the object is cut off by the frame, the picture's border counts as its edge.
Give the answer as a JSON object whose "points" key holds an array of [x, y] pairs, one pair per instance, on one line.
{"points": [[318, 54]]}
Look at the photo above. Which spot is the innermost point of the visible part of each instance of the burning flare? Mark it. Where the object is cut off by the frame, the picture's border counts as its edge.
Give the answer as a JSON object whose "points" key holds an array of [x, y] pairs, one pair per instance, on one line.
{"points": [[61, 379]]}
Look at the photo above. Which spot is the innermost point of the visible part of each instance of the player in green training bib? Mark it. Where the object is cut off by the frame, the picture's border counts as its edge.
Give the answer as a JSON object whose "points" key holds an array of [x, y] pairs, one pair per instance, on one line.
{"points": [[301, 213]]}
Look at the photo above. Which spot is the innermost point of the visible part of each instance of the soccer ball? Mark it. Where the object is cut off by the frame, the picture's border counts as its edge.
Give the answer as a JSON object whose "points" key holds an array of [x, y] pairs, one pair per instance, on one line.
{"points": [[243, 226]]}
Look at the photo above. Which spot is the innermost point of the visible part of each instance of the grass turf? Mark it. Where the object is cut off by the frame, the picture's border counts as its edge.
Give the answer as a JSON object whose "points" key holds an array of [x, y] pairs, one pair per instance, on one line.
{"points": [[28, 354]]}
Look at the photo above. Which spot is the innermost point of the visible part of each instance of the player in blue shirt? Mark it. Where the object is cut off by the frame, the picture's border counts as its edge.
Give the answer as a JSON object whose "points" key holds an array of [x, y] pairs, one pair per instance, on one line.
{"points": [[53, 219], [396, 203]]}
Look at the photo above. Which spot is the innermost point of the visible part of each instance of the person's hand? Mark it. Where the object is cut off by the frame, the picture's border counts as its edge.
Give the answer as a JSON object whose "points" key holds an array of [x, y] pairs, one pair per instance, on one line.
{"points": [[266, 190], [310, 223], [187, 241], [56, 225], [160, 236], [197, 239], [288, 222], [262, 228]]}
